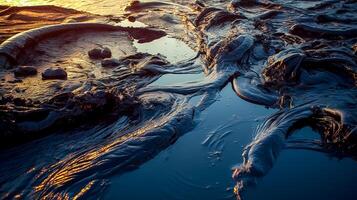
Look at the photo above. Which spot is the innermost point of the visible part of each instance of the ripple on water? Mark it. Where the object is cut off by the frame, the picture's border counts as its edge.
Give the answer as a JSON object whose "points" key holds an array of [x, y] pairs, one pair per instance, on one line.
{"points": [[187, 170], [301, 174]]}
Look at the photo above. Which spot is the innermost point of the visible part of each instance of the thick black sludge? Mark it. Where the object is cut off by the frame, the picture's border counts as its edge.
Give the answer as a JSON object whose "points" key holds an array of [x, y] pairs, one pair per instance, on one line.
{"points": [[13, 50], [106, 117]]}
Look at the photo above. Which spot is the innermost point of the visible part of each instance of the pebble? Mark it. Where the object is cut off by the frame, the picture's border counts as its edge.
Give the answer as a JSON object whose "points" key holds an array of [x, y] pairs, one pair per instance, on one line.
{"points": [[106, 53], [54, 73], [111, 62], [97, 53], [25, 71]]}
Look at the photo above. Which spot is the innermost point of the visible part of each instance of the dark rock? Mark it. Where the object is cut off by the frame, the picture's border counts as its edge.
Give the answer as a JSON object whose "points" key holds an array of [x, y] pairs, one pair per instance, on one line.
{"points": [[131, 19], [144, 35], [54, 73], [110, 62], [106, 53], [95, 54], [25, 71], [100, 53]]}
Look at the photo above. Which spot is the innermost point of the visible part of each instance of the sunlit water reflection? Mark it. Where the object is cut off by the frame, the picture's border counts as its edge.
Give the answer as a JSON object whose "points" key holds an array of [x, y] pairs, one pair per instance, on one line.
{"points": [[104, 7]]}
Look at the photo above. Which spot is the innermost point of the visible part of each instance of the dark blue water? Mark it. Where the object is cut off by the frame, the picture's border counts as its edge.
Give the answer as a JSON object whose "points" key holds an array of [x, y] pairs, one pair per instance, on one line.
{"points": [[302, 174], [190, 169]]}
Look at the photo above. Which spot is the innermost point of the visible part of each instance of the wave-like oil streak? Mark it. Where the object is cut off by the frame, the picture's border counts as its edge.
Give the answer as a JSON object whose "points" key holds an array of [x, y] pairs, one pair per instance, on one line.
{"points": [[306, 75], [260, 155], [118, 154], [153, 119]]}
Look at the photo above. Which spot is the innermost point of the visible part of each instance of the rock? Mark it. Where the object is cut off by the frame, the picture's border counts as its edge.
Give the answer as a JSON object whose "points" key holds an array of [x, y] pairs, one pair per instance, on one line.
{"points": [[131, 19], [25, 71], [100, 53], [111, 62], [95, 53], [106, 53], [54, 73]]}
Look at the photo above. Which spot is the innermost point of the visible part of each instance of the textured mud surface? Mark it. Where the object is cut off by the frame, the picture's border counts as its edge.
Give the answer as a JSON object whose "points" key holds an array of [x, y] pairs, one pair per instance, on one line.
{"points": [[102, 113]]}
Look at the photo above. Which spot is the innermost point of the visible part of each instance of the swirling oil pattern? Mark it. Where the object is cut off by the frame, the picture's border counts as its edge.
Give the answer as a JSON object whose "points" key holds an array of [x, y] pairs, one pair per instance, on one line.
{"points": [[83, 93]]}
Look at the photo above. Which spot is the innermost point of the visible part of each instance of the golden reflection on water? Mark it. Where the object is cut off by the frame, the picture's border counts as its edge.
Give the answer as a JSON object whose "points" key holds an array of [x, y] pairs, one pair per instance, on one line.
{"points": [[103, 7], [84, 190], [66, 170]]}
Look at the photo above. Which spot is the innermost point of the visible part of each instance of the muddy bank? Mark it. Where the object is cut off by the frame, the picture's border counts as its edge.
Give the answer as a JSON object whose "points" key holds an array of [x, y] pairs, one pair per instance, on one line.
{"points": [[60, 80], [18, 19]]}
